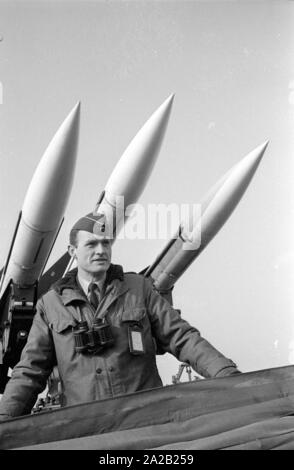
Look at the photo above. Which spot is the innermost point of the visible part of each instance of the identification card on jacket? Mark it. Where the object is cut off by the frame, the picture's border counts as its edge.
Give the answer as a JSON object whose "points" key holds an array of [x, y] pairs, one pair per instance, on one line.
{"points": [[136, 340]]}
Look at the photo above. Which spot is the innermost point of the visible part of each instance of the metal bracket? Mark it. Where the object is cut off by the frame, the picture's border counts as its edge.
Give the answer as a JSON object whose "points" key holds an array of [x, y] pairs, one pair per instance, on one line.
{"points": [[21, 311]]}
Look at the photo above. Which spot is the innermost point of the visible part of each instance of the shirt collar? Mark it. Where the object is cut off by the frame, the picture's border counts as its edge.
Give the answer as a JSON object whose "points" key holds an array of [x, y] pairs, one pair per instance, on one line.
{"points": [[85, 284]]}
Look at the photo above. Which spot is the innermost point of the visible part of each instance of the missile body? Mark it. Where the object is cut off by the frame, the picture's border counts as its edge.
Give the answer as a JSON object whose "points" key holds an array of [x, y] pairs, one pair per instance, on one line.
{"points": [[44, 205], [216, 208], [130, 175], [37, 228]]}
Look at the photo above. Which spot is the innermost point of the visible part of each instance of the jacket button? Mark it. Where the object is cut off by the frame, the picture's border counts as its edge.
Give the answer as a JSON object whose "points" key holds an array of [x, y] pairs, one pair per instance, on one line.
{"points": [[99, 370]]}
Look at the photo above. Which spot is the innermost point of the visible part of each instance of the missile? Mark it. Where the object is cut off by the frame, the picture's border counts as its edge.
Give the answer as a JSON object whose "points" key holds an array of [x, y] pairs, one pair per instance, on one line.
{"points": [[215, 209], [44, 205], [130, 175], [38, 225]]}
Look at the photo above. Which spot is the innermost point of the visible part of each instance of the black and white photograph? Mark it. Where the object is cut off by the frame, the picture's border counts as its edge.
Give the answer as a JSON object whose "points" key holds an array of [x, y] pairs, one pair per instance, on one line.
{"points": [[147, 227]]}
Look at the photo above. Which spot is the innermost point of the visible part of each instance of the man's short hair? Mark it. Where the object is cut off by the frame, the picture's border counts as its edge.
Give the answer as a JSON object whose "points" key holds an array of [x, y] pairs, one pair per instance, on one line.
{"points": [[73, 237]]}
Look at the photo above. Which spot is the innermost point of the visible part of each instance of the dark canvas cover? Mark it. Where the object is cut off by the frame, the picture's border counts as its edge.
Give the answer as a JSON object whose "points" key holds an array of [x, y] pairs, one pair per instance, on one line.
{"points": [[253, 410]]}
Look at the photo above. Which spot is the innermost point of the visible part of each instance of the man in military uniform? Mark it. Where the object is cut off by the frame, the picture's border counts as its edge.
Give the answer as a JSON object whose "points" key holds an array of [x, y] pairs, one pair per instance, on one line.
{"points": [[102, 328]]}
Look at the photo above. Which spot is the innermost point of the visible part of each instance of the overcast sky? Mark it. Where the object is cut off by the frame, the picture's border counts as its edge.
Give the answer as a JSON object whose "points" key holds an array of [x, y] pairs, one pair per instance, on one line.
{"points": [[231, 66]]}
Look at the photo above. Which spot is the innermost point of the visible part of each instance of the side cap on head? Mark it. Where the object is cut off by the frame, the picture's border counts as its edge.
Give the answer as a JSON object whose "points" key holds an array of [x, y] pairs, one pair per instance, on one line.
{"points": [[93, 223]]}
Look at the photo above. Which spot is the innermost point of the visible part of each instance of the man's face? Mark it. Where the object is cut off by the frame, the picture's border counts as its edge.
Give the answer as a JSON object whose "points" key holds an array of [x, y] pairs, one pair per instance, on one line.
{"points": [[92, 252]]}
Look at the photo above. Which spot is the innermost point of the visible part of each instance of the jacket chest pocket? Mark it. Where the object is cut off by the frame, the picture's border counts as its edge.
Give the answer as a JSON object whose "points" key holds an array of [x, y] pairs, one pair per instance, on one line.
{"points": [[62, 325], [136, 323], [136, 316], [64, 321], [64, 343]]}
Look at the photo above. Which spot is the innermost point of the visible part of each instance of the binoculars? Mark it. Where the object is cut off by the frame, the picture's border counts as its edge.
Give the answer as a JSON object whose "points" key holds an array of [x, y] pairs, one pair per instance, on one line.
{"points": [[93, 340]]}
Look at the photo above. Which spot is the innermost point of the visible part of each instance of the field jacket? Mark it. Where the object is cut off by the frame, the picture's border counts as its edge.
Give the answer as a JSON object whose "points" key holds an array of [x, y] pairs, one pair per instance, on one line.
{"points": [[129, 301]]}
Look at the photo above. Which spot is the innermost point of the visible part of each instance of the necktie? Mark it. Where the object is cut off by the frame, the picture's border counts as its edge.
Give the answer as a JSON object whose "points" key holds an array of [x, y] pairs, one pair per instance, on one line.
{"points": [[93, 294]]}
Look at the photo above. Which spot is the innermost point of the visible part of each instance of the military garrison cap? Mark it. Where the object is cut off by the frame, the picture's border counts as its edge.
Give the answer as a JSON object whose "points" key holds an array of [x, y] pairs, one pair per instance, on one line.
{"points": [[93, 223]]}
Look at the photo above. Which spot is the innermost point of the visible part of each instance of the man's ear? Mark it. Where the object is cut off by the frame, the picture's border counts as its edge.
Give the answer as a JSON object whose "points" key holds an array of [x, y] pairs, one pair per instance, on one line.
{"points": [[71, 250]]}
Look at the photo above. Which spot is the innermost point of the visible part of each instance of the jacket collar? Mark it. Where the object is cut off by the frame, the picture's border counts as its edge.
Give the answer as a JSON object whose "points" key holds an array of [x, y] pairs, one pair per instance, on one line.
{"points": [[69, 289]]}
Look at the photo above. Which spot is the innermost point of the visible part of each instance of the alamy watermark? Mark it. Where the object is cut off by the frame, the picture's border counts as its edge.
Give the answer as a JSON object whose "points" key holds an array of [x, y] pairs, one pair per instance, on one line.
{"points": [[156, 221]]}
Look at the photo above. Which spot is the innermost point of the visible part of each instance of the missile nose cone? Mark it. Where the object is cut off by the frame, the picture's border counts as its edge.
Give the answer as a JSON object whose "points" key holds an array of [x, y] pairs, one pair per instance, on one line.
{"points": [[132, 171], [70, 127], [256, 155], [50, 187], [77, 107], [246, 168], [168, 102], [73, 118], [259, 151], [265, 144], [161, 115], [224, 196]]}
